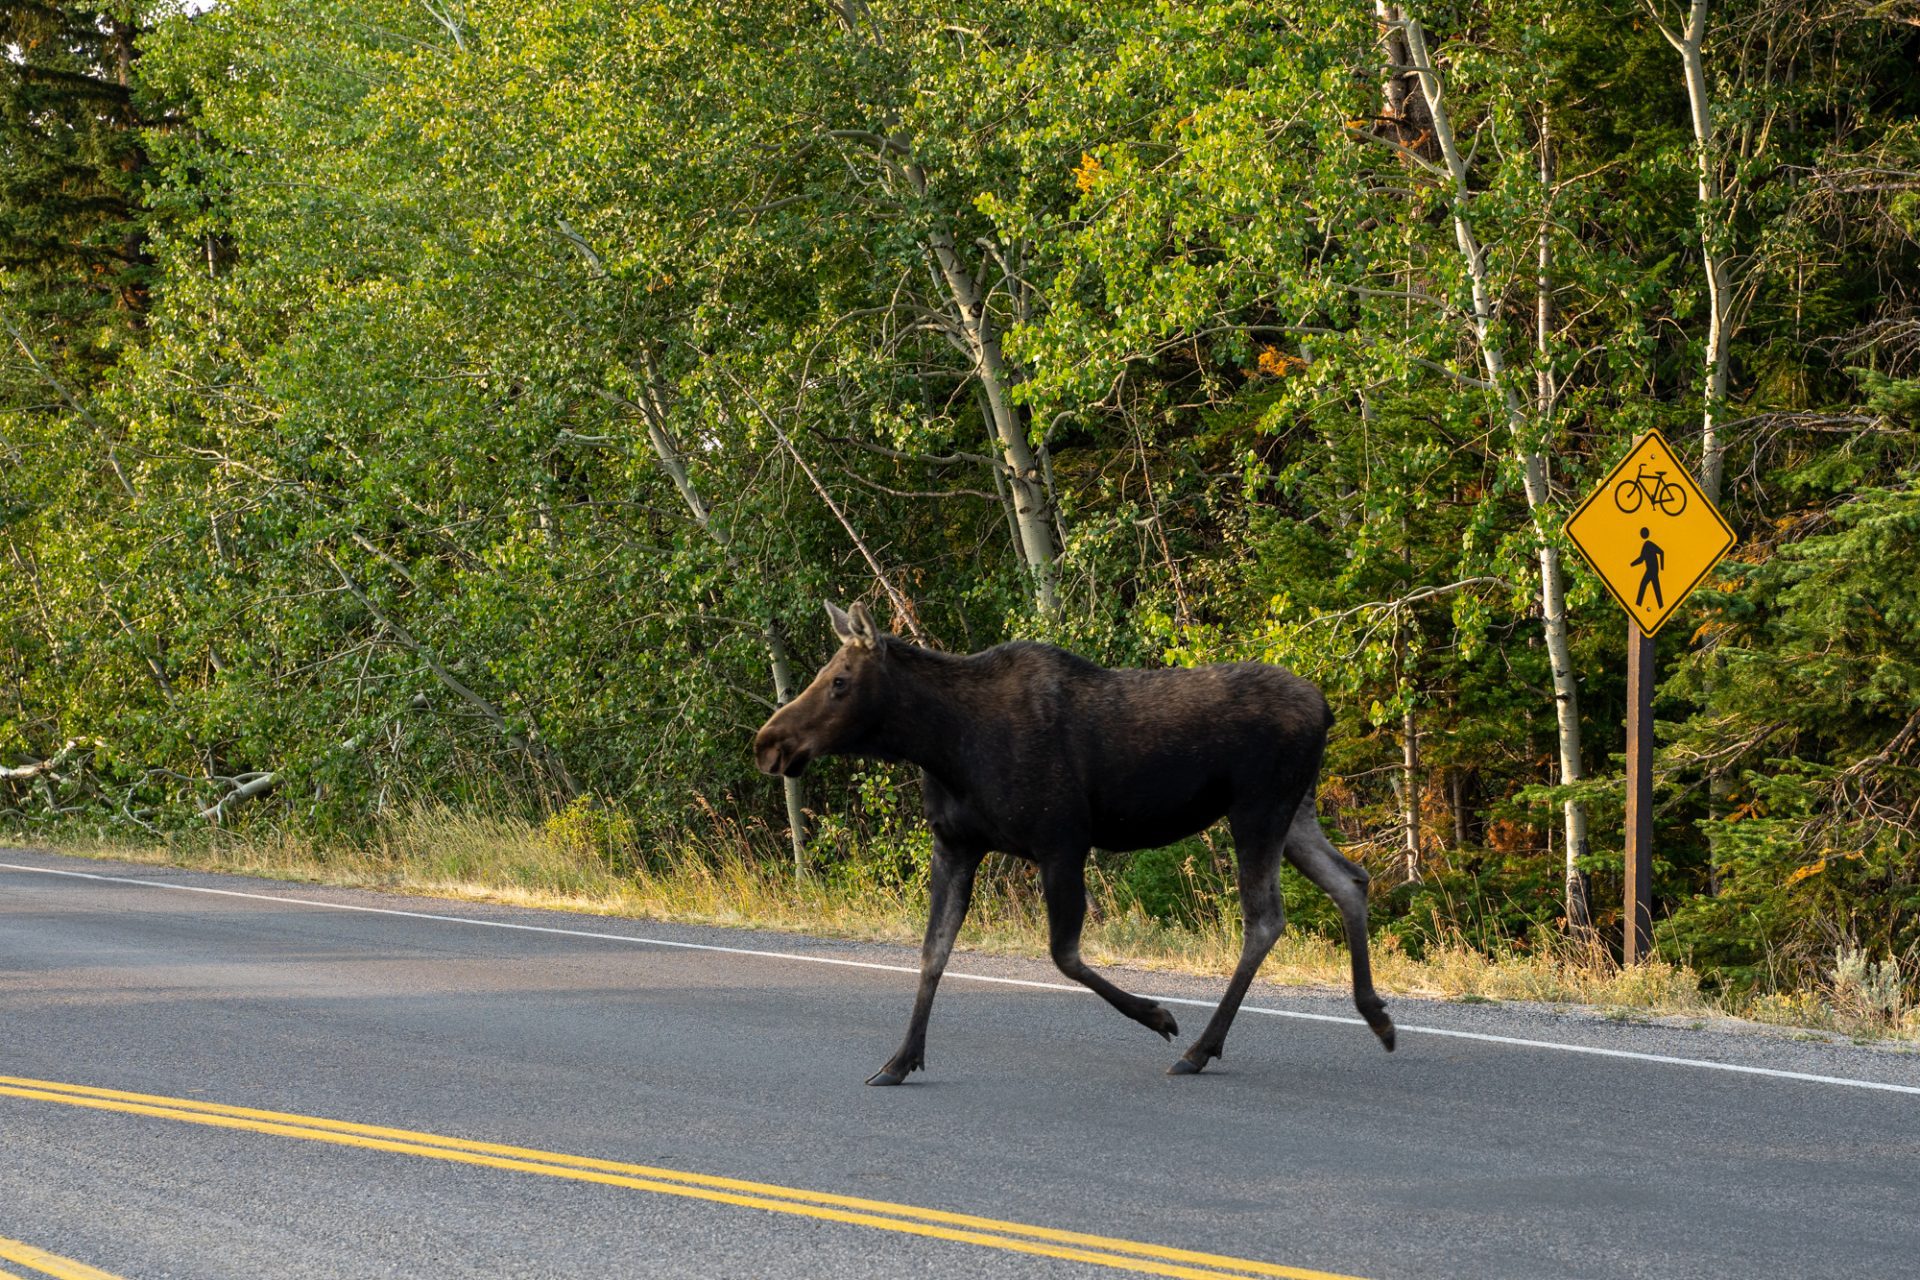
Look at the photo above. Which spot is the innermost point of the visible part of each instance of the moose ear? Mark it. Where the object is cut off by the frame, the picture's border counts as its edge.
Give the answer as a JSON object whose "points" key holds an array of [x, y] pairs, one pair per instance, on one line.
{"points": [[856, 629], [842, 624], [865, 634]]}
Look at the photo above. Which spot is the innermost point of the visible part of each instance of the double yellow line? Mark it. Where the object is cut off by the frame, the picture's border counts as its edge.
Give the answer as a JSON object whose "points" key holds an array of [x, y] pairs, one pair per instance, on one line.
{"points": [[42, 1263], [991, 1233]]}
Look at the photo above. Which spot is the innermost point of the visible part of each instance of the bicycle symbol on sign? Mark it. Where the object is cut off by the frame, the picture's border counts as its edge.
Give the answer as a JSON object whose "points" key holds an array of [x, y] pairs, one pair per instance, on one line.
{"points": [[1667, 497]]}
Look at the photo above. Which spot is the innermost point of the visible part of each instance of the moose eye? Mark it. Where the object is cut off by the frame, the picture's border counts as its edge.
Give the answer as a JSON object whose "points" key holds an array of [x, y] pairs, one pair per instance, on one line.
{"points": [[839, 684]]}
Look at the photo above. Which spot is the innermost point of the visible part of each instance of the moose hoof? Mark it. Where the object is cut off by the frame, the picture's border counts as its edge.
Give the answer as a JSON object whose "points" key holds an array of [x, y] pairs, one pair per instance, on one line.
{"points": [[1156, 1018], [896, 1072], [1192, 1062], [1380, 1024]]}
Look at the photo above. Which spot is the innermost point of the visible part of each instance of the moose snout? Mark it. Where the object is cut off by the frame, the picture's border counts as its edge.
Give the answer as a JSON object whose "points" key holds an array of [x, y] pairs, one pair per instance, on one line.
{"points": [[774, 752]]}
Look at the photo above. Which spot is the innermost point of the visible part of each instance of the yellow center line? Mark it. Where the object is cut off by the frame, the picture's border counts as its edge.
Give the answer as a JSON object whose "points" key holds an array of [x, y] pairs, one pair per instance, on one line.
{"points": [[1126, 1255], [47, 1264]]}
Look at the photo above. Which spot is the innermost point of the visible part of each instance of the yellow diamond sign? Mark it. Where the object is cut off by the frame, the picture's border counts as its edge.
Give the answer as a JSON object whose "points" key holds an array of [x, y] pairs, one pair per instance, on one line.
{"points": [[1649, 532]]}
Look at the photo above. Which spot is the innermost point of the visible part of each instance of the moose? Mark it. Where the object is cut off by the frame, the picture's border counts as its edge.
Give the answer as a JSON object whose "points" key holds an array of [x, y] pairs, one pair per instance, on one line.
{"points": [[1030, 750]]}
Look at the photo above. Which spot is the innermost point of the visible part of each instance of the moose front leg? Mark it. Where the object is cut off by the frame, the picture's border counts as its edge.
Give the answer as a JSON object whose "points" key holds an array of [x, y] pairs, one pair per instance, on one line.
{"points": [[949, 893]]}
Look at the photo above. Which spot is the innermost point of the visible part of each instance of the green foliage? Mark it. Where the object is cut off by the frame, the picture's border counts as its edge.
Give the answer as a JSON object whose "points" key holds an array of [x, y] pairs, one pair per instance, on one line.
{"points": [[1176, 884], [1812, 670], [586, 831]]}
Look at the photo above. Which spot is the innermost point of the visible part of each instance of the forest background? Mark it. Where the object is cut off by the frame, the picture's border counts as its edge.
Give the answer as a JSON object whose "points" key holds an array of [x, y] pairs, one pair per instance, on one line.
{"points": [[417, 413]]}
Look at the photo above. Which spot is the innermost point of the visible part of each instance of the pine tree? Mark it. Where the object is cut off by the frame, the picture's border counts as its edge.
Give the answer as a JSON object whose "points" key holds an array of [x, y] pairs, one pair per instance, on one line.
{"points": [[72, 164]]}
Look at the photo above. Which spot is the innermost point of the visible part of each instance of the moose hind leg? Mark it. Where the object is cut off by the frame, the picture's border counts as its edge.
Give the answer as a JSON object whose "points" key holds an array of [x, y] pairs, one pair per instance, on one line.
{"points": [[1264, 913], [1063, 880], [950, 892], [1309, 850]]}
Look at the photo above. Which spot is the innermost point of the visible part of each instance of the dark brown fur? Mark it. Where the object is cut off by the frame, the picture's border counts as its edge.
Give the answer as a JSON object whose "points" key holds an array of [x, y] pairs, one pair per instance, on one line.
{"points": [[1032, 751]]}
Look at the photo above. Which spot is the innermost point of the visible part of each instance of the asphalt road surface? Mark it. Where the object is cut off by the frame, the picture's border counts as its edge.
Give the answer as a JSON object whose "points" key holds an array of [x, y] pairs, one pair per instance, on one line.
{"points": [[207, 1076]]}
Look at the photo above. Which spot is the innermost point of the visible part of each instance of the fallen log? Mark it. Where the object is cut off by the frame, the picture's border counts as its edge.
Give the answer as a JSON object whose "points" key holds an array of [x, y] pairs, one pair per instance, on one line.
{"points": [[245, 787]]}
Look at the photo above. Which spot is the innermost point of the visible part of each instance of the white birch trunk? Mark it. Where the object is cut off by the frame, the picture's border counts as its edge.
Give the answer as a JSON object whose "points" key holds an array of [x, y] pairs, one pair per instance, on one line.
{"points": [[1689, 43], [1033, 510], [653, 413], [1410, 771], [1006, 504], [39, 768], [1546, 398], [796, 798], [1033, 515], [1553, 608]]}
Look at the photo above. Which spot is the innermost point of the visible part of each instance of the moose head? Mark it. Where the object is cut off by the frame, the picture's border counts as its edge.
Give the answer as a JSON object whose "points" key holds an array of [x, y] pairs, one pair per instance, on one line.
{"points": [[841, 708]]}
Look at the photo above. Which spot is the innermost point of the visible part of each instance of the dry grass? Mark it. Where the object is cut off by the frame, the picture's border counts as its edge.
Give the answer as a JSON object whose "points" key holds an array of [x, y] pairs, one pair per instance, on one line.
{"points": [[563, 864]]}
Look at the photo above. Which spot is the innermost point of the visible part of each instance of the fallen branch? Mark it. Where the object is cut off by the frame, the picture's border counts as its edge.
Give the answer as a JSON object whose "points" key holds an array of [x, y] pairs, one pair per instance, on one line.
{"points": [[246, 787], [39, 768]]}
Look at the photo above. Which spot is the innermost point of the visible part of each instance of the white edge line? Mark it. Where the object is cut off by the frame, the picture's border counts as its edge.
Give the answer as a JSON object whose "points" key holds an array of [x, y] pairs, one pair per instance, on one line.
{"points": [[1595, 1051]]}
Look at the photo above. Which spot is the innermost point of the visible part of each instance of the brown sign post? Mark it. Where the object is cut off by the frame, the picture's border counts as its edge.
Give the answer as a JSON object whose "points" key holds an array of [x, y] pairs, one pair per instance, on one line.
{"points": [[1639, 903], [1651, 535]]}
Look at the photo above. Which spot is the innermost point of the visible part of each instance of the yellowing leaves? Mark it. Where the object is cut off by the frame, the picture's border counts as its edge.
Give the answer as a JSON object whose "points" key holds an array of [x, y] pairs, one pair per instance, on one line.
{"points": [[1088, 173], [1276, 363], [1815, 868]]}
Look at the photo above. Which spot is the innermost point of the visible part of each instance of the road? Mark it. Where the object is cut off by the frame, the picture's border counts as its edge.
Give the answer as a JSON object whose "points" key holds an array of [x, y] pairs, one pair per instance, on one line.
{"points": [[206, 1076]]}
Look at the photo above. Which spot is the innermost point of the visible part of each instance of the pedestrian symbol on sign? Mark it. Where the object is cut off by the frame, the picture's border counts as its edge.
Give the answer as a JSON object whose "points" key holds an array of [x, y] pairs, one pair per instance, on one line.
{"points": [[1652, 557]]}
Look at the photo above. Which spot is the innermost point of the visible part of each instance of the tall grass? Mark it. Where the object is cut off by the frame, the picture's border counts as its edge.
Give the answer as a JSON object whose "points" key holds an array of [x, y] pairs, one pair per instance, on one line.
{"points": [[584, 860]]}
